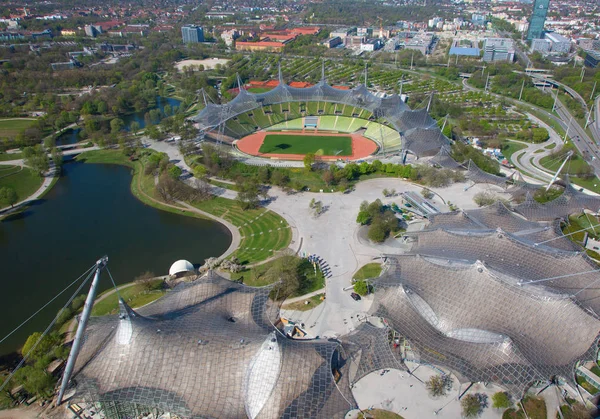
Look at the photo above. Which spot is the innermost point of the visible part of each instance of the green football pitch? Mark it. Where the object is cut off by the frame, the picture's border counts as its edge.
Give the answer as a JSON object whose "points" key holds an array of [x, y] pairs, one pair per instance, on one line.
{"points": [[321, 145]]}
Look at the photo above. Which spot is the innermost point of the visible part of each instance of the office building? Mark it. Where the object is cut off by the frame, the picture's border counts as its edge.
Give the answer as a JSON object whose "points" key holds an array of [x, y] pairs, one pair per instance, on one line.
{"points": [[499, 49], [538, 19], [192, 34], [558, 43], [592, 59]]}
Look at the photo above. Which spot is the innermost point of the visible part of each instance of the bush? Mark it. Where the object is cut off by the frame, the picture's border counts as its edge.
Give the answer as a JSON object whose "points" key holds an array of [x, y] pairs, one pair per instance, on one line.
{"points": [[439, 385], [361, 288], [484, 199], [473, 404], [426, 193], [501, 400]]}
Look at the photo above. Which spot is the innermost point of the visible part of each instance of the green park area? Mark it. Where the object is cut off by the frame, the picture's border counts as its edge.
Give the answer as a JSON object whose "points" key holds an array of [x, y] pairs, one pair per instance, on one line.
{"points": [[305, 304], [303, 144], [259, 89], [137, 294], [12, 127], [23, 181], [368, 271], [296, 275]]}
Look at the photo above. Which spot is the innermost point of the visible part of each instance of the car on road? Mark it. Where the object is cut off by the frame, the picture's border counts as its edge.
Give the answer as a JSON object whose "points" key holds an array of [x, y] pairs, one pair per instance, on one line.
{"points": [[355, 296]]}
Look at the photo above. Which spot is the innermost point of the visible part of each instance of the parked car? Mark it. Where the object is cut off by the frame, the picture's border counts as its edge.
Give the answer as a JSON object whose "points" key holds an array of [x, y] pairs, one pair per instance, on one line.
{"points": [[355, 296]]}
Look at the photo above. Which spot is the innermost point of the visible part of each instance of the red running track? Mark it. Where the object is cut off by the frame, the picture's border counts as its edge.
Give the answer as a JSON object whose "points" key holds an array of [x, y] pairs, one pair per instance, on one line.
{"points": [[361, 146]]}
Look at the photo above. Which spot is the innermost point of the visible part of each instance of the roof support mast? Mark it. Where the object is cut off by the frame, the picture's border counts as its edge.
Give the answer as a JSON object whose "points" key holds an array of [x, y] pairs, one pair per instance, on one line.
{"points": [[85, 315], [569, 154]]}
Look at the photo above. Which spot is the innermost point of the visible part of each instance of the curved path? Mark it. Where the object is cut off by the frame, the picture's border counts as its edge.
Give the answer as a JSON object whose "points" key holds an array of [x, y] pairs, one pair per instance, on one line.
{"points": [[528, 159]]}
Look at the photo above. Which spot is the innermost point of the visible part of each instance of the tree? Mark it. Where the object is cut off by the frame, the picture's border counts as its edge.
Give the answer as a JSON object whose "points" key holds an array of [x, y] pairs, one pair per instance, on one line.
{"points": [[8, 196], [439, 385], [385, 193], [501, 400], [146, 279], [175, 171], [57, 158], [44, 346], [309, 160], [473, 404], [134, 127], [284, 272], [327, 177], [36, 158], [35, 381], [361, 287], [116, 125], [376, 232], [248, 192], [363, 218]]}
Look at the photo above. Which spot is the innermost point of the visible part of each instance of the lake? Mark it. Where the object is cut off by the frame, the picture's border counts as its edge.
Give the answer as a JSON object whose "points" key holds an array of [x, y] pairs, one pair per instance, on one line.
{"points": [[90, 212]]}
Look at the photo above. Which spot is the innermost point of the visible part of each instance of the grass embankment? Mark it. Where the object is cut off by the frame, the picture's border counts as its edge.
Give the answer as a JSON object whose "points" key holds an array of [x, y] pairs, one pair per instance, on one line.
{"points": [[263, 232], [313, 301], [370, 270], [25, 182], [136, 295], [303, 144], [10, 156], [12, 127]]}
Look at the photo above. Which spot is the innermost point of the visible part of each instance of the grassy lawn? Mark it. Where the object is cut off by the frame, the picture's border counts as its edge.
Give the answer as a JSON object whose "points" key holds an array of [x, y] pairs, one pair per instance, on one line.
{"points": [[573, 165], [12, 127], [257, 277], [259, 89], [11, 156], [589, 388], [303, 144], [313, 301], [263, 232], [379, 414], [596, 370], [25, 182], [370, 270], [136, 295], [510, 147], [223, 184]]}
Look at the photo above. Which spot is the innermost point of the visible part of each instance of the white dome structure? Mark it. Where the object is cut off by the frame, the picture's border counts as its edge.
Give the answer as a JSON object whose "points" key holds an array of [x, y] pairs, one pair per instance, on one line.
{"points": [[181, 266]]}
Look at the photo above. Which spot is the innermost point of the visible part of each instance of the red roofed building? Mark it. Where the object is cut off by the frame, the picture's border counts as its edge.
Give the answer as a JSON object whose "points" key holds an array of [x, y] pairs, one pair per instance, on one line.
{"points": [[301, 84], [259, 46], [309, 30], [109, 24]]}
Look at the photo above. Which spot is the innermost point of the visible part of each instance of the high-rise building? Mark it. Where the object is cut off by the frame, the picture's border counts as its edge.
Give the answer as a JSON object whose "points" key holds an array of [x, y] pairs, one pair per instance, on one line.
{"points": [[538, 18], [192, 34]]}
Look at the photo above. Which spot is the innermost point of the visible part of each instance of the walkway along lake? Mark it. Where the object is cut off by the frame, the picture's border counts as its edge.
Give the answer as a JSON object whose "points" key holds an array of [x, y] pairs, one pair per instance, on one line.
{"points": [[90, 212]]}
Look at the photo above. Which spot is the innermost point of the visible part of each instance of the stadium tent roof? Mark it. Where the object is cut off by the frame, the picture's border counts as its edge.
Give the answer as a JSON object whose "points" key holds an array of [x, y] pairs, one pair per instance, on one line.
{"points": [[180, 266], [481, 324], [426, 141], [209, 349]]}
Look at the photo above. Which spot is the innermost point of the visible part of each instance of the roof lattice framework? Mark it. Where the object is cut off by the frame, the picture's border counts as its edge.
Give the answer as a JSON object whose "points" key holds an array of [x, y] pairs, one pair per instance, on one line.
{"points": [[481, 324], [208, 350]]}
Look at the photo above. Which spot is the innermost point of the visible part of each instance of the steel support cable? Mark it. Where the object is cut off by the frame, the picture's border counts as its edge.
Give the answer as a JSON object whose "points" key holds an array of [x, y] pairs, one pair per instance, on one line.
{"points": [[47, 304], [535, 281], [52, 323], [566, 235], [113, 282]]}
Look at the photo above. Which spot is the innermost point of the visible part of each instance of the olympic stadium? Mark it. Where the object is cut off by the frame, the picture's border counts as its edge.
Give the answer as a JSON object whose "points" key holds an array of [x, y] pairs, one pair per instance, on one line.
{"points": [[375, 124], [492, 295]]}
